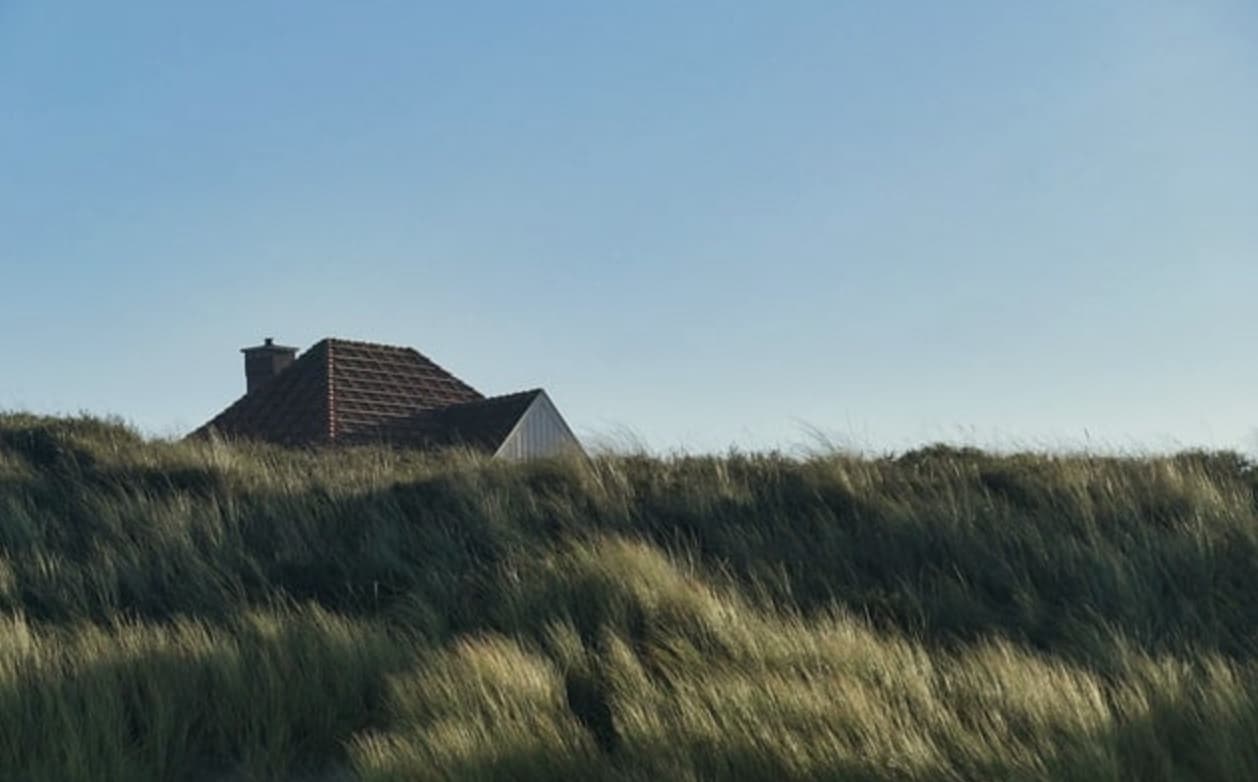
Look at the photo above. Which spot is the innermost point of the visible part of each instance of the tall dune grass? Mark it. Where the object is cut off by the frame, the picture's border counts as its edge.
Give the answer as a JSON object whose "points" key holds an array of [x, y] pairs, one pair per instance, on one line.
{"points": [[219, 611]]}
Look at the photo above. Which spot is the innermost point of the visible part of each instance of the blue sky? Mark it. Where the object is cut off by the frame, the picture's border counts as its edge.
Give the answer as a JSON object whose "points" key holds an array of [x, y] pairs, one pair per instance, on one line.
{"points": [[708, 224]]}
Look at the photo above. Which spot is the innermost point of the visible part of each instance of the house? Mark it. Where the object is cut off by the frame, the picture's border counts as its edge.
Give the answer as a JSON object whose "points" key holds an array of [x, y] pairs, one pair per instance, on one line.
{"points": [[346, 392]]}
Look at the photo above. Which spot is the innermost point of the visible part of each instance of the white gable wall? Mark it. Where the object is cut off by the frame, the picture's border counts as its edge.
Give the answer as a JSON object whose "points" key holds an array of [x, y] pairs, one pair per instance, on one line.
{"points": [[540, 432]]}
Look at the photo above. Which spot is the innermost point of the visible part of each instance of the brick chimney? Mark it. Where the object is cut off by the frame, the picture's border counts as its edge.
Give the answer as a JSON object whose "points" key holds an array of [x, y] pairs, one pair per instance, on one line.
{"points": [[265, 362]]}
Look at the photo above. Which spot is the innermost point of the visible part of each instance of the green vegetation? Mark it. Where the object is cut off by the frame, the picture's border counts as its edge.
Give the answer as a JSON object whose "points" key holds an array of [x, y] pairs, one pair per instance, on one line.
{"points": [[213, 611]]}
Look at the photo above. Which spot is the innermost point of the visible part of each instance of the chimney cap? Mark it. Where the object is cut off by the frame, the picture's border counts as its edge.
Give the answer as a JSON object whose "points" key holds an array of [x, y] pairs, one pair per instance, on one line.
{"points": [[268, 346]]}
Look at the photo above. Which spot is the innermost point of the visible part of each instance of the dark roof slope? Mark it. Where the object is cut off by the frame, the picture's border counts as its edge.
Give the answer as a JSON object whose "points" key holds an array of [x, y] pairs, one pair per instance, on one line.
{"points": [[483, 424], [339, 389], [292, 408]]}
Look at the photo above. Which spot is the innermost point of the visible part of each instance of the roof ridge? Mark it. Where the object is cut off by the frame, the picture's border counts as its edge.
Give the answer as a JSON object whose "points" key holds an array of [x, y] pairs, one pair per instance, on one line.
{"points": [[365, 343], [331, 375]]}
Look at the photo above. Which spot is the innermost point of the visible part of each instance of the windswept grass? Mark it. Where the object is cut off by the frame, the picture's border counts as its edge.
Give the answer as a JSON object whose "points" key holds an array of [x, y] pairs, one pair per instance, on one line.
{"points": [[215, 611]]}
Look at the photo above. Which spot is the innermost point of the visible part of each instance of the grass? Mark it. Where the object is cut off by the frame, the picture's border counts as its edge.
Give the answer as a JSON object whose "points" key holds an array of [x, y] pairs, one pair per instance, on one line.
{"points": [[215, 611]]}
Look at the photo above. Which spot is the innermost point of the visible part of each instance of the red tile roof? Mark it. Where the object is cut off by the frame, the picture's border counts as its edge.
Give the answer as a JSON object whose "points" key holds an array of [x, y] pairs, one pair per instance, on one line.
{"points": [[372, 385], [342, 390]]}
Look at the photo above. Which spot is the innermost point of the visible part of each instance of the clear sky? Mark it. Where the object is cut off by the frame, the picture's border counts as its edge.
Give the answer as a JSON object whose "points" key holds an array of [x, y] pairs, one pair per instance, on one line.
{"points": [[706, 223]]}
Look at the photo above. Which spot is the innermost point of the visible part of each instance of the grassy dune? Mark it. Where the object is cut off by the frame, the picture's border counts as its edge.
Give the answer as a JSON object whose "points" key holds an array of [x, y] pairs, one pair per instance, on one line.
{"points": [[215, 612]]}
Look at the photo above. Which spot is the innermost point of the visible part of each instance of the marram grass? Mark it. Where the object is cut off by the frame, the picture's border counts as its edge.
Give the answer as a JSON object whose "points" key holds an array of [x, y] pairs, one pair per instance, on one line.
{"points": [[216, 611]]}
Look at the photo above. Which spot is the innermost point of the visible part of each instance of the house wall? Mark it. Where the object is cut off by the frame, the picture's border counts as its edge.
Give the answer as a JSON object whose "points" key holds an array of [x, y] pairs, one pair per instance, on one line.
{"points": [[541, 432]]}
